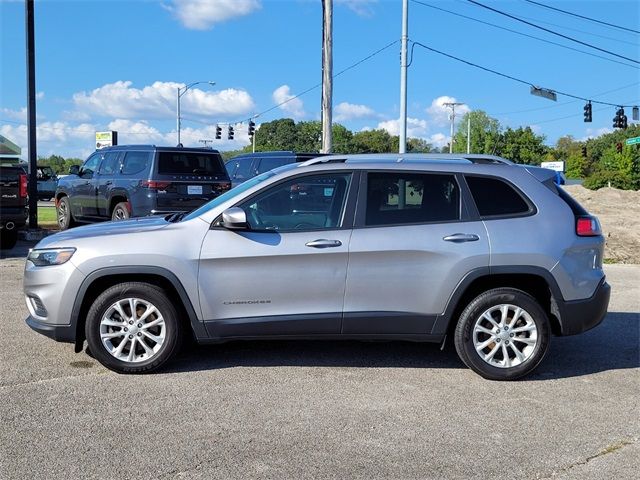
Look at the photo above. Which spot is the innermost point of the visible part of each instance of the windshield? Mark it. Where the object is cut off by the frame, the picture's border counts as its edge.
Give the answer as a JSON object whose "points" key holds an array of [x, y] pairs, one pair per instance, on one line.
{"points": [[189, 163], [243, 187]]}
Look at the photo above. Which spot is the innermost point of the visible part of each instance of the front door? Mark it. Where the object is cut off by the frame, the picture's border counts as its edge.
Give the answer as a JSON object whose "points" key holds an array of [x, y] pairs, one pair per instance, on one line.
{"points": [[83, 197], [285, 275]]}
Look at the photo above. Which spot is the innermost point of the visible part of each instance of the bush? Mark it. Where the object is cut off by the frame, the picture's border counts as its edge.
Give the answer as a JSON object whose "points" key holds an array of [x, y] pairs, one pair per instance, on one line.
{"points": [[606, 178]]}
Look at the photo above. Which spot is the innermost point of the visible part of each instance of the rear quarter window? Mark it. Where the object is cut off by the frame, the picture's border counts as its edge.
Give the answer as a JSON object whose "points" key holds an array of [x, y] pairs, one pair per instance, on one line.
{"points": [[494, 197]]}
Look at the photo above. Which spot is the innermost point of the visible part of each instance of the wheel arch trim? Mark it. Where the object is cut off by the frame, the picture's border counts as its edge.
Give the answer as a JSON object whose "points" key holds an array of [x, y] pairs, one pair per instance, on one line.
{"points": [[142, 270]]}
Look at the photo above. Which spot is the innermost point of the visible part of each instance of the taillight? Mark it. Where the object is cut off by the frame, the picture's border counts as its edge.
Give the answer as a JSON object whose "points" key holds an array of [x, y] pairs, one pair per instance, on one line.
{"points": [[155, 185], [225, 186], [24, 191], [588, 226]]}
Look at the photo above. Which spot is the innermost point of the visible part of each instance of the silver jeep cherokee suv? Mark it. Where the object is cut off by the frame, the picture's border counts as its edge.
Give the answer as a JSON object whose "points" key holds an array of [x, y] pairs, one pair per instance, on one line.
{"points": [[400, 247]]}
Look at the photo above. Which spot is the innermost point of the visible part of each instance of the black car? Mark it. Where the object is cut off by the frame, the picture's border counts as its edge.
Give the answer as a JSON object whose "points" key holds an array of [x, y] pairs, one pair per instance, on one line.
{"points": [[124, 181], [246, 166], [13, 203]]}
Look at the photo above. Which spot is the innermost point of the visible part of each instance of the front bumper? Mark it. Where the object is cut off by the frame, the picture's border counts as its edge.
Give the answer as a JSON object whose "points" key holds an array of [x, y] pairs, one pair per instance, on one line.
{"points": [[578, 316], [60, 333]]}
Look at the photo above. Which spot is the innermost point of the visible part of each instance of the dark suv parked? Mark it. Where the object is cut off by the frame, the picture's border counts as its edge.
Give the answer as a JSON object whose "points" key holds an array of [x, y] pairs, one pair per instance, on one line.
{"points": [[246, 166], [125, 181]]}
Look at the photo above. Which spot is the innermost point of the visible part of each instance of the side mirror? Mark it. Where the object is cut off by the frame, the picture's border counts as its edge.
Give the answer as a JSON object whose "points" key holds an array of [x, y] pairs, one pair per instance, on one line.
{"points": [[234, 218], [74, 170]]}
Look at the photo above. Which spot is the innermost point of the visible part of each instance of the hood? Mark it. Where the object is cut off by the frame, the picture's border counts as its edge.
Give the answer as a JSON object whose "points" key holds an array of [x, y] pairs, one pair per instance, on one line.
{"points": [[136, 225]]}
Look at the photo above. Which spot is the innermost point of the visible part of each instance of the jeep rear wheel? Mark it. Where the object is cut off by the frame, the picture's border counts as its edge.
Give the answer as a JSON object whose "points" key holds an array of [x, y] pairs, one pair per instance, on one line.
{"points": [[133, 328], [120, 212], [503, 334]]}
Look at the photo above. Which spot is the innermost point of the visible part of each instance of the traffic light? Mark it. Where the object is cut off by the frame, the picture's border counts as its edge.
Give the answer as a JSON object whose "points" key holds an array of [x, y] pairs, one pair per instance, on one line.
{"points": [[619, 147], [218, 132], [587, 112], [635, 113], [623, 122], [252, 128], [584, 151], [620, 120], [230, 134]]}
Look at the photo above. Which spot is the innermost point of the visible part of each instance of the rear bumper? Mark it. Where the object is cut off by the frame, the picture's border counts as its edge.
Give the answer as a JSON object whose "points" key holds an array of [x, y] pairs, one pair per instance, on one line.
{"points": [[18, 216], [581, 315], [60, 333]]}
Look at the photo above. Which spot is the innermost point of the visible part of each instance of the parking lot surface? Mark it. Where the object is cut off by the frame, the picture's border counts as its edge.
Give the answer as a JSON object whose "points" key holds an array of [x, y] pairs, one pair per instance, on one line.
{"points": [[321, 409]]}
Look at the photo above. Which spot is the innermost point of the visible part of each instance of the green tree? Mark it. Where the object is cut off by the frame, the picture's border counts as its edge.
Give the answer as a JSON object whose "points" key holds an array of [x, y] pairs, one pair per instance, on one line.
{"points": [[374, 141], [485, 133], [522, 145], [280, 134]]}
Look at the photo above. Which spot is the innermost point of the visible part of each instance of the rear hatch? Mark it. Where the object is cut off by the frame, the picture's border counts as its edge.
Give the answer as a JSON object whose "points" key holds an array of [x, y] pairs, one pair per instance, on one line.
{"points": [[186, 179]]}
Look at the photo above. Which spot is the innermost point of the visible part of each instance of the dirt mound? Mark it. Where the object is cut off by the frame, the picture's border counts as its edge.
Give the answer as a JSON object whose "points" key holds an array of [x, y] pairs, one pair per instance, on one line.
{"points": [[619, 214]]}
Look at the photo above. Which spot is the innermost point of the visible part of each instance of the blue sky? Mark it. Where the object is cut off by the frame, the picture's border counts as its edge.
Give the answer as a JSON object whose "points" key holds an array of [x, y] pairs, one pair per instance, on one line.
{"points": [[104, 65]]}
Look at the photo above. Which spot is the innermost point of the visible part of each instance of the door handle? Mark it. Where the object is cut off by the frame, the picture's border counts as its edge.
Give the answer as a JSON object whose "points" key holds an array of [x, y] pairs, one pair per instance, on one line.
{"points": [[108, 183], [322, 243], [461, 237]]}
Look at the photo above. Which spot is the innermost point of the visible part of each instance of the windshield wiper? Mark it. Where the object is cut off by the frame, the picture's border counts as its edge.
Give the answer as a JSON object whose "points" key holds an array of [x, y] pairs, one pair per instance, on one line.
{"points": [[176, 217]]}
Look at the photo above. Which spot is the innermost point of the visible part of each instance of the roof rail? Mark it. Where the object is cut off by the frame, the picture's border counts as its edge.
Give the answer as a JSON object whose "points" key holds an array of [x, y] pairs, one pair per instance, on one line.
{"points": [[409, 157], [327, 159]]}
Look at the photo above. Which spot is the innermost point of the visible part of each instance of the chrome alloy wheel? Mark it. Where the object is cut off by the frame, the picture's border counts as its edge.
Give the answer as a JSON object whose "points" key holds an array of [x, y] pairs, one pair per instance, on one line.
{"points": [[132, 330], [505, 336], [120, 214], [62, 213]]}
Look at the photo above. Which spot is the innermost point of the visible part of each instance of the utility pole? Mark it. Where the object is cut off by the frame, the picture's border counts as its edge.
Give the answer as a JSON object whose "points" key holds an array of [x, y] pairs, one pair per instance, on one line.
{"points": [[402, 147], [327, 74], [452, 116], [31, 115], [469, 133]]}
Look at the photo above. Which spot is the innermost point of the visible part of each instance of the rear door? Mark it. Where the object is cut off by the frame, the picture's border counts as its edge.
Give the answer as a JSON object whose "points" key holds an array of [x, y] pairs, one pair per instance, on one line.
{"points": [[413, 243], [189, 179]]}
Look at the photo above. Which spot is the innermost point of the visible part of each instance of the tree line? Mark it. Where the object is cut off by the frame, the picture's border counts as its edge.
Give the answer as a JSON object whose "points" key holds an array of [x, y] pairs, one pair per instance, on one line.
{"points": [[601, 161]]}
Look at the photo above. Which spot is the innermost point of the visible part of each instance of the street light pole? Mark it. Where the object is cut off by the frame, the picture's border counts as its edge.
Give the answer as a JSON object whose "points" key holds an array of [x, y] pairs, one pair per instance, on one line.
{"points": [[181, 92], [402, 146], [452, 106]]}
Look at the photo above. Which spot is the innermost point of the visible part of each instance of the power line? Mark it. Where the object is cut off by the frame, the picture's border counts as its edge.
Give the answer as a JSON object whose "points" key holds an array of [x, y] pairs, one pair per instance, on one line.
{"points": [[522, 34], [551, 31], [380, 50], [582, 16], [515, 79]]}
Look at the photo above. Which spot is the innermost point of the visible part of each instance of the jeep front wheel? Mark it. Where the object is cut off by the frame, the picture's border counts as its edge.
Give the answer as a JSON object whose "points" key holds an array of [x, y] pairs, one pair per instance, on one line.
{"points": [[503, 334], [133, 328]]}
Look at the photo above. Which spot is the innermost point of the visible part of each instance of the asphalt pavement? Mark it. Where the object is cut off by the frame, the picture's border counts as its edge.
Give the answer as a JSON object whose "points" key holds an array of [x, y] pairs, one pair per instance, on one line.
{"points": [[321, 409]]}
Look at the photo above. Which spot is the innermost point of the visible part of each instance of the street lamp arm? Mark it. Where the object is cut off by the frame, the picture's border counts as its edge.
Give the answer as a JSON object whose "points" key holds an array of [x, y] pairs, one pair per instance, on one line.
{"points": [[183, 90]]}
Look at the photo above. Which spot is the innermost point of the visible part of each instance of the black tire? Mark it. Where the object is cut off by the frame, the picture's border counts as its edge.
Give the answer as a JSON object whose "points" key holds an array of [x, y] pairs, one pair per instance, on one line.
{"points": [[120, 212], [64, 215], [534, 320], [8, 238], [172, 329]]}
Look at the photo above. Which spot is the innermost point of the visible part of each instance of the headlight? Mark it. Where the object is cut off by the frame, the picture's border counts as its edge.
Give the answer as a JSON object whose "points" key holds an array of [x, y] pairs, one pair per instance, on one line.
{"points": [[50, 256]]}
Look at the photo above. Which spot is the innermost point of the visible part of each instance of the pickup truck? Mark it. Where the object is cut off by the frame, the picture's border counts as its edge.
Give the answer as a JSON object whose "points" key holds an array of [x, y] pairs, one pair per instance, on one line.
{"points": [[13, 204], [47, 182]]}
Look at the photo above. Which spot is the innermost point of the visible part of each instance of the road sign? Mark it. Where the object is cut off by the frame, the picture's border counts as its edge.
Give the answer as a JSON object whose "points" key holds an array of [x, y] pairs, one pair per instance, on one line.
{"points": [[557, 166], [633, 141], [544, 93]]}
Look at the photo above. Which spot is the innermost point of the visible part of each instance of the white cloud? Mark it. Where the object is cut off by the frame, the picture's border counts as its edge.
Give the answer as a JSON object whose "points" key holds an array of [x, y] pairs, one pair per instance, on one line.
{"points": [[39, 95], [157, 101], [18, 115], [364, 8], [440, 114], [348, 111], [416, 128], [595, 132], [439, 140], [293, 106], [204, 14], [58, 138]]}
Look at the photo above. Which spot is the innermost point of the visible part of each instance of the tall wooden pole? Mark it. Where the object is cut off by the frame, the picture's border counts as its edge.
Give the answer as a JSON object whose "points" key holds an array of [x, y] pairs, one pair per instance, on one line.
{"points": [[327, 74]]}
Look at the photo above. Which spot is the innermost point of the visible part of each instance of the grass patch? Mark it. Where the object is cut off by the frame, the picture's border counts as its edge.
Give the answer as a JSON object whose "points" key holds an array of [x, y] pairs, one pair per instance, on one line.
{"points": [[609, 261], [47, 217]]}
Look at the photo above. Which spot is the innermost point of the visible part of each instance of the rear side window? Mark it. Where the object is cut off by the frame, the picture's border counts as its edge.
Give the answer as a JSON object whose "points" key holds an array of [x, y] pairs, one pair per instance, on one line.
{"points": [[189, 163], [495, 197], [135, 162], [267, 164], [400, 198]]}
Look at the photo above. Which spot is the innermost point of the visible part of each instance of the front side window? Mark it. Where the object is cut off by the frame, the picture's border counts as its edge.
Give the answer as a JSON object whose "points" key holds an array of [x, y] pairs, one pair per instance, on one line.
{"points": [[110, 164], [134, 162], [241, 169], [90, 166], [495, 197], [310, 202], [401, 198]]}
